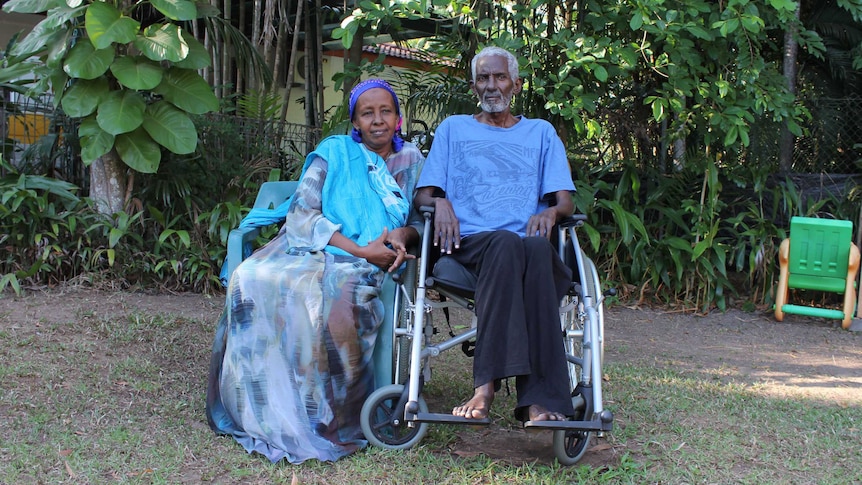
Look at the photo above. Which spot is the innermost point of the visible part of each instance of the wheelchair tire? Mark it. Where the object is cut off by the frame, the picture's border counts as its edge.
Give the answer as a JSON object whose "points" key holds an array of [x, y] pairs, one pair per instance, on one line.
{"points": [[375, 420], [571, 445], [594, 289]]}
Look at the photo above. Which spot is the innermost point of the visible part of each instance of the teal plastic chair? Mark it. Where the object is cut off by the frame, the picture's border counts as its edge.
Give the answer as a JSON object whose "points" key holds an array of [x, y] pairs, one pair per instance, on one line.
{"points": [[270, 196], [818, 255]]}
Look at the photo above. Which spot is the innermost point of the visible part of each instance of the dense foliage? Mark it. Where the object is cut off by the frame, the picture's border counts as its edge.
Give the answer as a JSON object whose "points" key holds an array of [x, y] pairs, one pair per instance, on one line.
{"points": [[671, 112]]}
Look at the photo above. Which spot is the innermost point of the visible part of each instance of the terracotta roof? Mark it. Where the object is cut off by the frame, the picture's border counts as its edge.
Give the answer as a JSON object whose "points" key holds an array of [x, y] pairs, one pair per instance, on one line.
{"points": [[409, 54]]}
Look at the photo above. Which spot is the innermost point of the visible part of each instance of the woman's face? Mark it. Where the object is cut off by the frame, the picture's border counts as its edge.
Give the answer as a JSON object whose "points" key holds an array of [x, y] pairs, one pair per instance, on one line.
{"points": [[376, 119]]}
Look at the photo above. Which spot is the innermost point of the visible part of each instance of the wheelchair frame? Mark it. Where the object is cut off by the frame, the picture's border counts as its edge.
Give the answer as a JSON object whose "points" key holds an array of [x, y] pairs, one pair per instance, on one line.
{"points": [[396, 416]]}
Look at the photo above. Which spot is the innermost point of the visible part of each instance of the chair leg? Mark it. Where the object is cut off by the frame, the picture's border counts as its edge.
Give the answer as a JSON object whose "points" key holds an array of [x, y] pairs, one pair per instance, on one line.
{"points": [[782, 291], [850, 287]]}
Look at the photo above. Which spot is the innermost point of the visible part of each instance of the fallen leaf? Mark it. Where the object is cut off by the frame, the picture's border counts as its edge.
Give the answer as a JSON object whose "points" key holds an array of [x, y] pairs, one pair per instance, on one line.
{"points": [[65, 452], [69, 470]]}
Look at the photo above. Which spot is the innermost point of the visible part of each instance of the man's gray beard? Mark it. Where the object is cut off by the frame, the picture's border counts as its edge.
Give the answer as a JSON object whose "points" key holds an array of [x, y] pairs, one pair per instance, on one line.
{"points": [[490, 107]]}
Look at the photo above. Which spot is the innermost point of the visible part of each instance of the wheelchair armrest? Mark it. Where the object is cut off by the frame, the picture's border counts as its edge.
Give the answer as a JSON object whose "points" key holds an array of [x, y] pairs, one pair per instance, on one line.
{"points": [[572, 220], [236, 240]]}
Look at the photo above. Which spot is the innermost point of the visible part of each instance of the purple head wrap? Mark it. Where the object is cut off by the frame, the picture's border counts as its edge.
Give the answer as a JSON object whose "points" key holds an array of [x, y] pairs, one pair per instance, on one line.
{"points": [[357, 91]]}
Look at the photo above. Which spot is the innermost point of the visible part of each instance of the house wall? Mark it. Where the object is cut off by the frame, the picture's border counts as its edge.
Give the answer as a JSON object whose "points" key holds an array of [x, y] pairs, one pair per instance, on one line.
{"points": [[11, 23], [333, 63]]}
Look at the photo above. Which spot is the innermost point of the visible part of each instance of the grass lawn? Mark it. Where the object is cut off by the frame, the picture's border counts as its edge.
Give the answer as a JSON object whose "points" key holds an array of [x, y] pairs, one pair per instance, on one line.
{"points": [[94, 398]]}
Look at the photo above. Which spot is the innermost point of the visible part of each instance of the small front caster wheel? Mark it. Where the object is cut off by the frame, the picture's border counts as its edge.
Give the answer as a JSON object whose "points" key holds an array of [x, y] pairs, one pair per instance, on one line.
{"points": [[380, 425]]}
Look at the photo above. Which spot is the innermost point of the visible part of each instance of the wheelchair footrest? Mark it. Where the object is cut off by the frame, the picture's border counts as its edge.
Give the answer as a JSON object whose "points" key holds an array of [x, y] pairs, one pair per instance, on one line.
{"points": [[594, 425], [449, 419]]}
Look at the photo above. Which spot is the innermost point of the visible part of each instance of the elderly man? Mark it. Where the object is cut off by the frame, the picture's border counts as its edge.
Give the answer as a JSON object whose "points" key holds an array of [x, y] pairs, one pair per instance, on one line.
{"points": [[497, 171]]}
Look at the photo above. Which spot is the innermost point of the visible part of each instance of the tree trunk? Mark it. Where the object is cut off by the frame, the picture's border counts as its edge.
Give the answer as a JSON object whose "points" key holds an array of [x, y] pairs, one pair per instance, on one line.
{"points": [[791, 49], [108, 183]]}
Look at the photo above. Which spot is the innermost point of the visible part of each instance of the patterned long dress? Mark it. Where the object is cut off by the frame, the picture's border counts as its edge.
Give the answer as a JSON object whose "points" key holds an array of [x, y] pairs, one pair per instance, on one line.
{"points": [[291, 364]]}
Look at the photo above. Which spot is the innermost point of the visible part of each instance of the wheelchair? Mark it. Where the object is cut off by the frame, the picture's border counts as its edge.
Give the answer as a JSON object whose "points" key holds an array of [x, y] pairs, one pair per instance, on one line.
{"points": [[396, 416]]}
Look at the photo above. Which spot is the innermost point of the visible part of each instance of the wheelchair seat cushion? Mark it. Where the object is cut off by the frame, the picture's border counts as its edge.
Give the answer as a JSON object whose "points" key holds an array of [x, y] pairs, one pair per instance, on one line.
{"points": [[453, 274]]}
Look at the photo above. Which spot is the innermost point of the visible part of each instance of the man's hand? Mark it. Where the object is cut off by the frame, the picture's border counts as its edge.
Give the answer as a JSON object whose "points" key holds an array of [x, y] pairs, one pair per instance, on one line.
{"points": [[447, 230], [542, 223]]}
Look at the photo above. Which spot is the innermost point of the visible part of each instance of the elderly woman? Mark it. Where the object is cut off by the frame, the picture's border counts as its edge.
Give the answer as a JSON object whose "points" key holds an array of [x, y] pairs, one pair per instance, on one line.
{"points": [[291, 362]]}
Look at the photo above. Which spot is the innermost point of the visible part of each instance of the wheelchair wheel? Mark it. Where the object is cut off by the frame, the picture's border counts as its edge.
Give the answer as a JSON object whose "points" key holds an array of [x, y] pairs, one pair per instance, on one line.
{"points": [[594, 289], [376, 420], [402, 348], [571, 445]]}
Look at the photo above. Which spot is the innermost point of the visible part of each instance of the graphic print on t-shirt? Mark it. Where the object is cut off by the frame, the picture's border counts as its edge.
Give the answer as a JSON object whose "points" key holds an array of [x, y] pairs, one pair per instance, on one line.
{"points": [[496, 181]]}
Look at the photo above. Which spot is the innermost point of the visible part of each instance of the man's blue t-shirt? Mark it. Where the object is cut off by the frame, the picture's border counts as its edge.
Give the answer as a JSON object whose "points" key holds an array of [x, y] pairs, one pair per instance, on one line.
{"points": [[494, 177]]}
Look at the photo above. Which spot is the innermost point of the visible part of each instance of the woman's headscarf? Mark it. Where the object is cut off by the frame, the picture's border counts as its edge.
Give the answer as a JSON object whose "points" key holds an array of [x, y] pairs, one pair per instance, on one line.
{"points": [[357, 91]]}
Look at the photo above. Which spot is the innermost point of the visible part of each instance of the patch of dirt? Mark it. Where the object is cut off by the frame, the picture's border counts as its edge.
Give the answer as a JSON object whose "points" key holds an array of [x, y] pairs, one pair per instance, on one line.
{"points": [[800, 357]]}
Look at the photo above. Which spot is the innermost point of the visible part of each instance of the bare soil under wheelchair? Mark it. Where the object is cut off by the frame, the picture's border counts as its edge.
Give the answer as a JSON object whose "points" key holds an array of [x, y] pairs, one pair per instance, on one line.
{"points": [[797, 357]]}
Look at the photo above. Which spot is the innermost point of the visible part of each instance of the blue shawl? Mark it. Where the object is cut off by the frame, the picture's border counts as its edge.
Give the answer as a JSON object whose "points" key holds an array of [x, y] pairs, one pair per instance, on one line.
{"points": [[359, 194]]}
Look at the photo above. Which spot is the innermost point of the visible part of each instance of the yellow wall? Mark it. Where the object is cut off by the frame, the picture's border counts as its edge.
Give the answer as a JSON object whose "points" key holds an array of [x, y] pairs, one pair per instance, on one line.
{"points": [[28, 127]]}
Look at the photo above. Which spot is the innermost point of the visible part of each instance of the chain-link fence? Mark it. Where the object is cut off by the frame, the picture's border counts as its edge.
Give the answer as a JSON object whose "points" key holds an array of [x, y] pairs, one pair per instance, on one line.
{"points": [[833, 139]]}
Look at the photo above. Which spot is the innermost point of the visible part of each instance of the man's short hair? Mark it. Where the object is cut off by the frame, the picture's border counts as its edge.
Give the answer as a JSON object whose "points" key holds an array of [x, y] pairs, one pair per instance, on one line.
{"points": [[511, 60]]}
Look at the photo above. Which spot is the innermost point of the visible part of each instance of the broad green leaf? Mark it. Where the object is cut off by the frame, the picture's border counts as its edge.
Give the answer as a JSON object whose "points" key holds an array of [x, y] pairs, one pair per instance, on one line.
{"points": [[730, 137], [137, 72], [58, 49], [786, 5], [162, 43], [106, 25], [188, 91], [139, 151], [184, 237], [121, 112], [95, 141], [85, 62], [114, 236], [636, 21], [699, 32], [171, 128], [30, 6], [198, 57], [601, 73], [82, 98], [657, 110], [17, 71], [176, 9]]}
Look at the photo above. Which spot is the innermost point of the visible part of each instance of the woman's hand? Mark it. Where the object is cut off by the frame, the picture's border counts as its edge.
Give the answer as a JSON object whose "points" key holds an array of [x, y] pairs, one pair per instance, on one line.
{"points": [[389, 259]]}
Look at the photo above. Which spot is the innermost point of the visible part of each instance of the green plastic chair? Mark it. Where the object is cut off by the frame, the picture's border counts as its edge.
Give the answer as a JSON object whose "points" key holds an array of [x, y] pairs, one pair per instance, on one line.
{"points": [[818, 255], [270, 196]]}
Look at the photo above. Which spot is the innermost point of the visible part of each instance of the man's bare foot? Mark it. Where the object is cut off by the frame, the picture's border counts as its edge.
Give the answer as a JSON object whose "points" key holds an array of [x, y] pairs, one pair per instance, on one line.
{"points": [[540, 413], [479, 405]]}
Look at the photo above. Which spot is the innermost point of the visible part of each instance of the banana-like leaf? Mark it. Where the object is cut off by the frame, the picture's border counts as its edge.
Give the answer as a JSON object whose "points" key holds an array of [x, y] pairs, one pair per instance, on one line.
{"points": [[86, 62], [139, 151], [188, 91], [121, 112], [198, 57], [57, 51], [43, 34], [30, 6], [95, 141], [105, 24], [162, 43], [171, 127], [137, 72], [82, 98], [176, 9]]}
